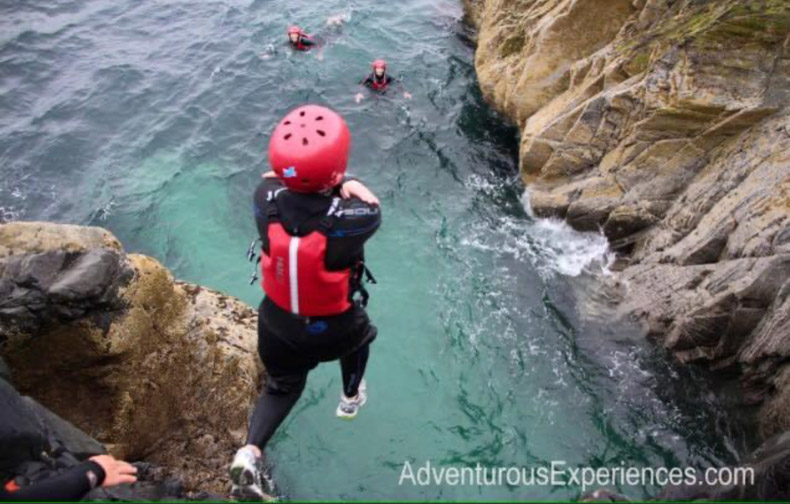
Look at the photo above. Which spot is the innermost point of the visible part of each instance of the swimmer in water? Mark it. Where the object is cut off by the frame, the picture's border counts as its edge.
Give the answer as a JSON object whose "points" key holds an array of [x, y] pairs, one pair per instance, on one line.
{"points": [[379, 80], [299, 40]]}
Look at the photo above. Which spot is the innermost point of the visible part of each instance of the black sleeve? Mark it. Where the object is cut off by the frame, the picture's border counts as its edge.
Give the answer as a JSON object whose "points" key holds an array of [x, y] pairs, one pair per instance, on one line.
{"points": [[308, 42], [261, 207], [355, 223], [71, 485]]}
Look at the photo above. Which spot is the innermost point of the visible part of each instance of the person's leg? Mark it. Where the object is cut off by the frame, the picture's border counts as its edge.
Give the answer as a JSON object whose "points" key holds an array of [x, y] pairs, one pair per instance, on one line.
{"points": [[352, 367], [273, 406], [287, 373]]}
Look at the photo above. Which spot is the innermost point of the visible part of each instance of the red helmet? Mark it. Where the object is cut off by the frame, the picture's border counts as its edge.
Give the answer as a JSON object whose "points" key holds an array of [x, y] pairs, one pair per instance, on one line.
{"points": [[309, 148], [380, 63], [294, 29]]}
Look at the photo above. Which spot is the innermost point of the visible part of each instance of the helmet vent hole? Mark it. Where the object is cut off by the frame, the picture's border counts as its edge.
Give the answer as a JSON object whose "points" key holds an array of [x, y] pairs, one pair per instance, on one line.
{"points": [[288, 136], [304, 141], [321, 132], [287, 123], [319, 118], [301, 114]]}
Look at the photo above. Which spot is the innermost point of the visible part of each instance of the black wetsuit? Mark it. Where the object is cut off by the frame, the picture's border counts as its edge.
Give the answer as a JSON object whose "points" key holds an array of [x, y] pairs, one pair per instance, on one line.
{"points": [[372, 80], [291, 345], [303, 44], [30, 470]]}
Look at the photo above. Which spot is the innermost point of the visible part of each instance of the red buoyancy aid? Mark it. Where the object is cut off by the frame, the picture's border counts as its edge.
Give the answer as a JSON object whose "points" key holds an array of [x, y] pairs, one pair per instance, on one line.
{"points": [[299, 45], [380, 86], [295, 275]]}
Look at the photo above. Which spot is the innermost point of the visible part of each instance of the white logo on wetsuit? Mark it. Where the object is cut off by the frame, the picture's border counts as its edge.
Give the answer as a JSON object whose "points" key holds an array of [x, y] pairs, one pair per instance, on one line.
{"points": [[362, 211]]}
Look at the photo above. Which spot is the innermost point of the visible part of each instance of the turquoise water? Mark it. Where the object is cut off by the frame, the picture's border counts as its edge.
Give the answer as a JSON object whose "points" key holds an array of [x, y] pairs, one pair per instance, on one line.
{"points": [[151, 119]]}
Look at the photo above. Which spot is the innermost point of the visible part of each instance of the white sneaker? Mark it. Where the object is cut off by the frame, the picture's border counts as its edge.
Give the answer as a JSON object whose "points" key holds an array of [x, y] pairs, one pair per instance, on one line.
{"points": [[246, 476], [348, 407]]}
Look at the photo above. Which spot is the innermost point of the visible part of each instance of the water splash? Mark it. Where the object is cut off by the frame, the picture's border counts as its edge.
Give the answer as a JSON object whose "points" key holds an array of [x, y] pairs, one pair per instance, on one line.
{"points": [[550, 245], [566, 251]]}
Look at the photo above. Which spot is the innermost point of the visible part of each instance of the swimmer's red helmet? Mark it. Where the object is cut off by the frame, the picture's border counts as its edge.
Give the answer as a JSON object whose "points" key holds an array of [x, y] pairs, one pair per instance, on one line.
{"points": [[380, 63], [309, 149], [295, 29]]}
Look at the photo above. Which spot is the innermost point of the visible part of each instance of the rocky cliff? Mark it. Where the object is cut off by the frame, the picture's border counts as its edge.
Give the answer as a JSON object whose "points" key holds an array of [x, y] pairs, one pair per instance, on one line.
{"points": [[155, 369], [664, 123]]}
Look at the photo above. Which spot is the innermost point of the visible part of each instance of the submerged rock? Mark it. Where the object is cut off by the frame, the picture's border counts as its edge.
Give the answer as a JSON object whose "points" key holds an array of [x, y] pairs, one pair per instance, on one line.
{"points": [[665, 124], [155, 369]]}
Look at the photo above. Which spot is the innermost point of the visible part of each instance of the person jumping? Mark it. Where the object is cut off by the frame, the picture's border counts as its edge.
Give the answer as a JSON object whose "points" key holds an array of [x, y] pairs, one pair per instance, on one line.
{"points": [[313, 223]]}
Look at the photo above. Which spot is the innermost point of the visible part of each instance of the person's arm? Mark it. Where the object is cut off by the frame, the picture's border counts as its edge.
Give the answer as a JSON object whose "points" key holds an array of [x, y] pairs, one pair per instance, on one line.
{"points": [[71, 485], [366, 82], [354, 224], [261, 200], [402, 89]]}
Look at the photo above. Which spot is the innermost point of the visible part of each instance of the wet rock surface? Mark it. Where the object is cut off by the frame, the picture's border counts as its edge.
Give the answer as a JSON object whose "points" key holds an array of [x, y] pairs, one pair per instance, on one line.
{"points": [[154, 369], [664, 124]]}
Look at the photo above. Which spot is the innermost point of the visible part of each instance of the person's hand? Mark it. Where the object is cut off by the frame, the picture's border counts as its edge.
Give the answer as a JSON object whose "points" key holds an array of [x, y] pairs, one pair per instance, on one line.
{"points": [[359, 97], [356, 189], [407, 95], [116, 472], [269, 174]]}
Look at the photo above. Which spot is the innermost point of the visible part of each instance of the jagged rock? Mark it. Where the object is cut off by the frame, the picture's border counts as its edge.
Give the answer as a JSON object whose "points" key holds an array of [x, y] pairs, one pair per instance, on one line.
{"points": [[664, 124], [155, 369], [771, 465]]}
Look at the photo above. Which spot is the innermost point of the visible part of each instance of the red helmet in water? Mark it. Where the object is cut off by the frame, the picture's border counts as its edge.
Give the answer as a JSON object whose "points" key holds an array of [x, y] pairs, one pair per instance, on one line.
{"points": [[294, 29], [309, 148], [380, 63]]}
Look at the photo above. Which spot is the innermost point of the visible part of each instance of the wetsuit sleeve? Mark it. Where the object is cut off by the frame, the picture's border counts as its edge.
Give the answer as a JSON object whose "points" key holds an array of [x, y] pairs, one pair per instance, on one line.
{"points": [[71, 485], [308, 42], [261, 207], [356, 223]]}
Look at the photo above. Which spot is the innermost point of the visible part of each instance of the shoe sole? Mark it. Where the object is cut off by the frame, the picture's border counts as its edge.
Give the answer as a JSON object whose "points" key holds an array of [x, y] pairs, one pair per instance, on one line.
{"points": [[346, 416], [243, 481]]}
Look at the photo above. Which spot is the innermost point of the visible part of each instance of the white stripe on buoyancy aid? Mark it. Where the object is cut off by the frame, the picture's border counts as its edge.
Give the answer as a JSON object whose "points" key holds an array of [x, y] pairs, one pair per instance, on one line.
{"points": [[293, 273]]}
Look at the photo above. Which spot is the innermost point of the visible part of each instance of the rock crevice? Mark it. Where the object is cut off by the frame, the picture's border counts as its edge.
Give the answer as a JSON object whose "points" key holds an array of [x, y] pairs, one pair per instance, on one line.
{"points": [[665, 124]]}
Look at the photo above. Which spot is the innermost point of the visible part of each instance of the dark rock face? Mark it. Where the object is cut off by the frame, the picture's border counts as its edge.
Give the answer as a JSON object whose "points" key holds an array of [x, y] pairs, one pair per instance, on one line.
{"points": [[769, 480], [771, 465], [39, 289], [153, 368]]}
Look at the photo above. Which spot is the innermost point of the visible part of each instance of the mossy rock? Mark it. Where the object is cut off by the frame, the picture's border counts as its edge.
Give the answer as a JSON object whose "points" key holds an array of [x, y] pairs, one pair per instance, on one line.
{"points": [[511, 46]]}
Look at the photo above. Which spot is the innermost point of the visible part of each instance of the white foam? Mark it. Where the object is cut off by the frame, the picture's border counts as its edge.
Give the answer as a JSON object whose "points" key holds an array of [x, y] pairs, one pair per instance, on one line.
{"points": [[551, 245], [9, 214], [566, 251]]}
